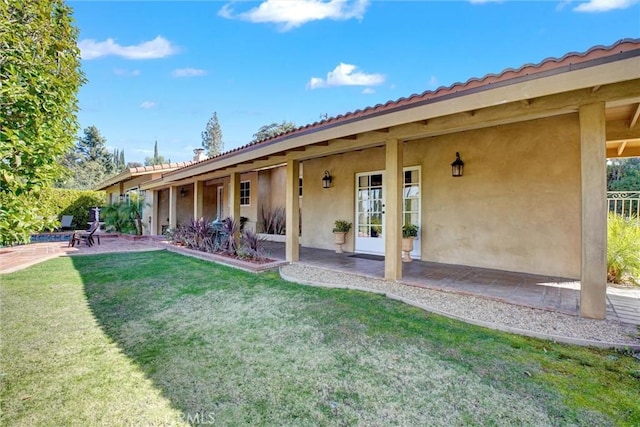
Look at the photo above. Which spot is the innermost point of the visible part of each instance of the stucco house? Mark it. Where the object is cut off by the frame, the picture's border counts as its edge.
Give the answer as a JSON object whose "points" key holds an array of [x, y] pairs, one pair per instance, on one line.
{"points": [[531, 198]]}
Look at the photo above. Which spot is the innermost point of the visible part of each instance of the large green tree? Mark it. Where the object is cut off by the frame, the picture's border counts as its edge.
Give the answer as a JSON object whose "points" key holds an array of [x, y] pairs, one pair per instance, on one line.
{"points": [[623, 175], [89, 162], [40, 74], [212, 137], [274, 129]]}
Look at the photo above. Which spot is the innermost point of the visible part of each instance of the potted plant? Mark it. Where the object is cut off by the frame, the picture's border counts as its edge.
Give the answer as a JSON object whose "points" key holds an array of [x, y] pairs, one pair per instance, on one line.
{"points": [[340, 230], [409, 233]]}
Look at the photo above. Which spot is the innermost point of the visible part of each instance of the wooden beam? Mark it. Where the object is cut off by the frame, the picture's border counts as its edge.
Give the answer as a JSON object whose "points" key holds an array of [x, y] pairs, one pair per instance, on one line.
{"points": [[321, 144], [634, 120], [349, 137], [595, 88], [621, 147], [629, 151]]}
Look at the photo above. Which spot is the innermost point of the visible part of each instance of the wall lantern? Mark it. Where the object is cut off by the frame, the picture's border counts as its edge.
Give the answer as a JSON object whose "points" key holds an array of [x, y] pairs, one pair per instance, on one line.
{"points": [[326, 180], [457, 166], [121, 197], [183, 193]]}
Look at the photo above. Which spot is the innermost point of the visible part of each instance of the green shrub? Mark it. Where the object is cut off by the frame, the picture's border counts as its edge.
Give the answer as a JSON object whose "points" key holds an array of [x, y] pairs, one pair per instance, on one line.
{"points": [[623, 249], [341, 226], [55, 202]]}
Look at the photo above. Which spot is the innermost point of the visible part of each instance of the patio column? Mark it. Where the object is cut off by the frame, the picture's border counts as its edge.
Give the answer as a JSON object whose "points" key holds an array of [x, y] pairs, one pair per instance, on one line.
{"points": [[173, 207], [155, 195], [198, 199], [234, 196], [593, 156], [393, 210], [292, 247]]}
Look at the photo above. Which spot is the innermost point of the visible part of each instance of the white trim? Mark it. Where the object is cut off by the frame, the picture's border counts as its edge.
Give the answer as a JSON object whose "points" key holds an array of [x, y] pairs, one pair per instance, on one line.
{"points": [[248, 181]]}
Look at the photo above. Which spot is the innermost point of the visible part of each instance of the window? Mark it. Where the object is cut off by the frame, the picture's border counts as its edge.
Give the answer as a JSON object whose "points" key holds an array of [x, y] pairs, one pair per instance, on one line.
{"points": [[245, 193]]}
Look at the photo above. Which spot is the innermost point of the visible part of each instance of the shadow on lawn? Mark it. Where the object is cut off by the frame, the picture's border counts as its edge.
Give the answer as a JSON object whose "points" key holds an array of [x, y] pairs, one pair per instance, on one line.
{"points": [[142, 301]]}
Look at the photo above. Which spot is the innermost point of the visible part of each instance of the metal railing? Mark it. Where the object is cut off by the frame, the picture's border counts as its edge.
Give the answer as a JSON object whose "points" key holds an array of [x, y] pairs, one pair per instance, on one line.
{"points": [[624, 203]]}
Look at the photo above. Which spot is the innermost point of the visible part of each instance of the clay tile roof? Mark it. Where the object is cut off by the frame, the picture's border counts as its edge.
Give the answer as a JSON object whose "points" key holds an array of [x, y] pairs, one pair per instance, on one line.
{"points": [[570, 61]]}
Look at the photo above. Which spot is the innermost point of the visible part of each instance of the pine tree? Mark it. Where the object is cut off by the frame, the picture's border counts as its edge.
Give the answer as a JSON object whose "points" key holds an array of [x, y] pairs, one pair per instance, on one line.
{"points": [[121, 160], [212, 137]]}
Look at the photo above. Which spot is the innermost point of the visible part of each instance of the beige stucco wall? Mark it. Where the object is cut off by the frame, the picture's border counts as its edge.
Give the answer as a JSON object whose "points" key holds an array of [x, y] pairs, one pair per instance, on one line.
{"points": [[516, 208], [271, 190]]}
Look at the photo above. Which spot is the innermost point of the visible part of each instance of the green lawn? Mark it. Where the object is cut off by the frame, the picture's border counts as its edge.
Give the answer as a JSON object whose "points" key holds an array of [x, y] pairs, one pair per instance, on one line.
{"points": [[160, 339]]}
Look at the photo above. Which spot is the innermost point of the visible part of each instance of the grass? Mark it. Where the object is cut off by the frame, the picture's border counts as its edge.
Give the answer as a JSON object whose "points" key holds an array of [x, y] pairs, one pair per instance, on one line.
{"points": [[160, 339]]}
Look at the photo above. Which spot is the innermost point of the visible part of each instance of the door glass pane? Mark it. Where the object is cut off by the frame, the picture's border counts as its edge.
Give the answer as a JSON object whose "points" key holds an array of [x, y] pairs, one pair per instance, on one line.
{"points": [[376, 180], [363, 181]]}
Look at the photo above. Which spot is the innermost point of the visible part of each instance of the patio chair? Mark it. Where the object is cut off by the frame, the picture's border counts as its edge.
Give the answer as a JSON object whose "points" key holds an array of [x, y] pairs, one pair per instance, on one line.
{"points": [[65, 222], [87, 235]]}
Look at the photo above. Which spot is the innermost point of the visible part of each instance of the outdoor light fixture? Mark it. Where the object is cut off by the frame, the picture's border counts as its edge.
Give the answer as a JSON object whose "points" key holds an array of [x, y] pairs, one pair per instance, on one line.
{"points": [[326, 180], [457, 166], [121, 197], [183, 193]]}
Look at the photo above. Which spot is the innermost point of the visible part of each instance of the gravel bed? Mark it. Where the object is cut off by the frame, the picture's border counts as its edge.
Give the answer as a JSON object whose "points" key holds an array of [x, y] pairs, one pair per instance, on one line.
{"points": [[480, 311]]}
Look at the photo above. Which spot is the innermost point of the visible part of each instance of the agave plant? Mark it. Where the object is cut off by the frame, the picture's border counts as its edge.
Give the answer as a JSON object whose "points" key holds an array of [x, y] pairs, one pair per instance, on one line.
{"points": [[274, 221], [229, 236], [250, 246]]}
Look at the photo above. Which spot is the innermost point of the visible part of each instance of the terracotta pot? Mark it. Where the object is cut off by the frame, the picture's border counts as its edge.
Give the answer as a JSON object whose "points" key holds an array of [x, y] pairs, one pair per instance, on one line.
{"points": [[407, 247], [339, 236]]}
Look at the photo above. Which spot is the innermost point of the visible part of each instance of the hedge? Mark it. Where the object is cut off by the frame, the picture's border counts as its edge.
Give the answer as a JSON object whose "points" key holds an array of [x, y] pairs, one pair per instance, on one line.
{"points": [[55, 202]]}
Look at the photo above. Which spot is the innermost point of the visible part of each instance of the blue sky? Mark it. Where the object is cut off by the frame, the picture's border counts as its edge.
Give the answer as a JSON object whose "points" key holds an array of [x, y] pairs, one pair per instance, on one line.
{"points": [[158, 70]]}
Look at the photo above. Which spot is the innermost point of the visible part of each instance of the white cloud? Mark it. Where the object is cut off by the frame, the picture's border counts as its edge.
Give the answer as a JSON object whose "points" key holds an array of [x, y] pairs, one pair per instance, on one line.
{"points": [[153, 49], [346, 75], [188, 72], [147, 105], [126, 73], [433, 82], [604, 5], [368, 91], [289, 14]]}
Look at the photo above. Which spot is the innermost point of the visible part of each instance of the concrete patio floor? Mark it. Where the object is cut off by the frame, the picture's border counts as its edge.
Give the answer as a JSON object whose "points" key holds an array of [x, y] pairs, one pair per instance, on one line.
{"points": [[535, 291]]}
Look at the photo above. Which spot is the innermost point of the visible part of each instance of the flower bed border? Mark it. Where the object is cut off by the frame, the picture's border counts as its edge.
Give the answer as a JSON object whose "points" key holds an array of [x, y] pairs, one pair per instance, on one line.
{"points": [[251, 267]]}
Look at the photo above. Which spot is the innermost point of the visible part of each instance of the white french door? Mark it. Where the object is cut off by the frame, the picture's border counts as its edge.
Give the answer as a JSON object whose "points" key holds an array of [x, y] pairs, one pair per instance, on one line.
{"points": [[370, 209], [411, 204], [370, 213]]}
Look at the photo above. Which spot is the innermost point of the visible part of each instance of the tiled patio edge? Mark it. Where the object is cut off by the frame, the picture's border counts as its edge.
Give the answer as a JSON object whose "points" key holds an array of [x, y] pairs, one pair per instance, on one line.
{"points": [[494, 326]]}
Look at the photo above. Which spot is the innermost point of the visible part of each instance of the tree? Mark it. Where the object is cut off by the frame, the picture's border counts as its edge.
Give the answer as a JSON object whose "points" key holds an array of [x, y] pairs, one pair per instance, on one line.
{"points": [[156, 159], [92, 147], [88, 163], [274, 129], [212, 137], [623, 175], [131, 165], [41, 75]]}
